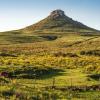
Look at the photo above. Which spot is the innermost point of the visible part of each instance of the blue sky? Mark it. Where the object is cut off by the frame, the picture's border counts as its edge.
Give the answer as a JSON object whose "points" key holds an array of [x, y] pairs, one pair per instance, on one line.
{"points": [[16, 14]]}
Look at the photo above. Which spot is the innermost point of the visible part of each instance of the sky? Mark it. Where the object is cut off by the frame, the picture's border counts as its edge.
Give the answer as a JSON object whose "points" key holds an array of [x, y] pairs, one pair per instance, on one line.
{"points": [[16, 14]]}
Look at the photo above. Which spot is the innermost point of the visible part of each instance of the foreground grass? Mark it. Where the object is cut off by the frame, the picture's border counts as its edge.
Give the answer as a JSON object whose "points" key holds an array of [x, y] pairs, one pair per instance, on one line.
{"points": [[44, 70], [42, 87]]}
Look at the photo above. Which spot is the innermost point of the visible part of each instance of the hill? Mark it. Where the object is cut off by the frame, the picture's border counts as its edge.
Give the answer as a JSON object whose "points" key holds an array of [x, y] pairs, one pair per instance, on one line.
{"points": [[57, 21], [56, 25], [55, 59]]}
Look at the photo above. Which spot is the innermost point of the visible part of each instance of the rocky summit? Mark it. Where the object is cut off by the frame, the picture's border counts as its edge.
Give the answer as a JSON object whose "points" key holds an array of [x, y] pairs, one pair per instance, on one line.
{"points": [[57, 13]]}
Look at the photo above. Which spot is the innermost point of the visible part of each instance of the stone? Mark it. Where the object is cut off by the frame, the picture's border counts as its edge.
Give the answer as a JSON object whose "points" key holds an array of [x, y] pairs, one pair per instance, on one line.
{"points": [[57, 13]]}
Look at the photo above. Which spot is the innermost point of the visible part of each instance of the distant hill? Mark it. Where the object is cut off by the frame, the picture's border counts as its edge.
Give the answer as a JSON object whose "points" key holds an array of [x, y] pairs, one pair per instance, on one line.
{"points": [[55, 26], [57, 21]]}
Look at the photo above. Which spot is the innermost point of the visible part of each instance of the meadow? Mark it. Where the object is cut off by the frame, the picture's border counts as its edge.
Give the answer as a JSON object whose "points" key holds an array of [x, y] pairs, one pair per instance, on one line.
{"points": [[49, 66]]}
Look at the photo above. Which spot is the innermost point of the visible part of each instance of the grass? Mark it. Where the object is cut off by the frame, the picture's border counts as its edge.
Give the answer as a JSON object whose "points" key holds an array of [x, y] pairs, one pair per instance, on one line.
{"points": [[46, 63], [16, 37]]}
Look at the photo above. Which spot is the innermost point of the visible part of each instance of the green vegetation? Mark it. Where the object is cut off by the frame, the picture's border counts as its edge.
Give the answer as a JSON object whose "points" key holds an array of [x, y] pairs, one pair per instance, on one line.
{"points": [[55, 59], [46, 69]]}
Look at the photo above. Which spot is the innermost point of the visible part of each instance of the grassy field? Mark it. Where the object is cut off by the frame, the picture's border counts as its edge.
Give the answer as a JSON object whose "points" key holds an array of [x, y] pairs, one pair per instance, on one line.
{"points": [[49, 66]]}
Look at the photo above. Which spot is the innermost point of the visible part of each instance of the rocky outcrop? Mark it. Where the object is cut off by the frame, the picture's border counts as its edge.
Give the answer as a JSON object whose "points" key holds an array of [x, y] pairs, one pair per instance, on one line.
{"points": [[57, 13]]}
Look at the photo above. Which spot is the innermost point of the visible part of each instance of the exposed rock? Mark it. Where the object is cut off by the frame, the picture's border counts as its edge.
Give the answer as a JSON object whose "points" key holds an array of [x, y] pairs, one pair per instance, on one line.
{"points": [[57, 13]]}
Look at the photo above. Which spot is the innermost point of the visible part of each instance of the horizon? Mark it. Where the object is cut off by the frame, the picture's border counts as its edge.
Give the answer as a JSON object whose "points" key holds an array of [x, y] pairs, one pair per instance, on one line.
{"points": [[17, 14]]}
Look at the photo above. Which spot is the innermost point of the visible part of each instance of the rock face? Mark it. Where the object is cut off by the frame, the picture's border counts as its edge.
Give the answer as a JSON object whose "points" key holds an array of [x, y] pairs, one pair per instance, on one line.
{"points": [[57, 13]]}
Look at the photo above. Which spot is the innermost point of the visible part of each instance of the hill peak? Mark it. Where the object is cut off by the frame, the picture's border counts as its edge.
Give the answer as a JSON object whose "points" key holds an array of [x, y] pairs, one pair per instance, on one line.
{"points": [[57, 21], [57, 13]]}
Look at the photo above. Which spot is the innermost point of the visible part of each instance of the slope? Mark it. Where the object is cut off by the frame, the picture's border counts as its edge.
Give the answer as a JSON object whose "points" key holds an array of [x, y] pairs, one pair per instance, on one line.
{"points": [[57, 21]]}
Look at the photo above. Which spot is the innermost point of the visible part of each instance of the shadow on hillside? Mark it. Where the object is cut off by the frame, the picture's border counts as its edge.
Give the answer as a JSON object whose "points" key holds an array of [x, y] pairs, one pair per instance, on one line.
{"points": [[35, 73], [95, 77], [49, 38], [7, 55]]}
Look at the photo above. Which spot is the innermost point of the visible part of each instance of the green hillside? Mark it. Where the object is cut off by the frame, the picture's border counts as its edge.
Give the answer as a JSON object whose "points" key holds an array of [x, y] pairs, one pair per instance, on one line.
{"points": [[57, 21], [55, 59], [56, 25]]}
